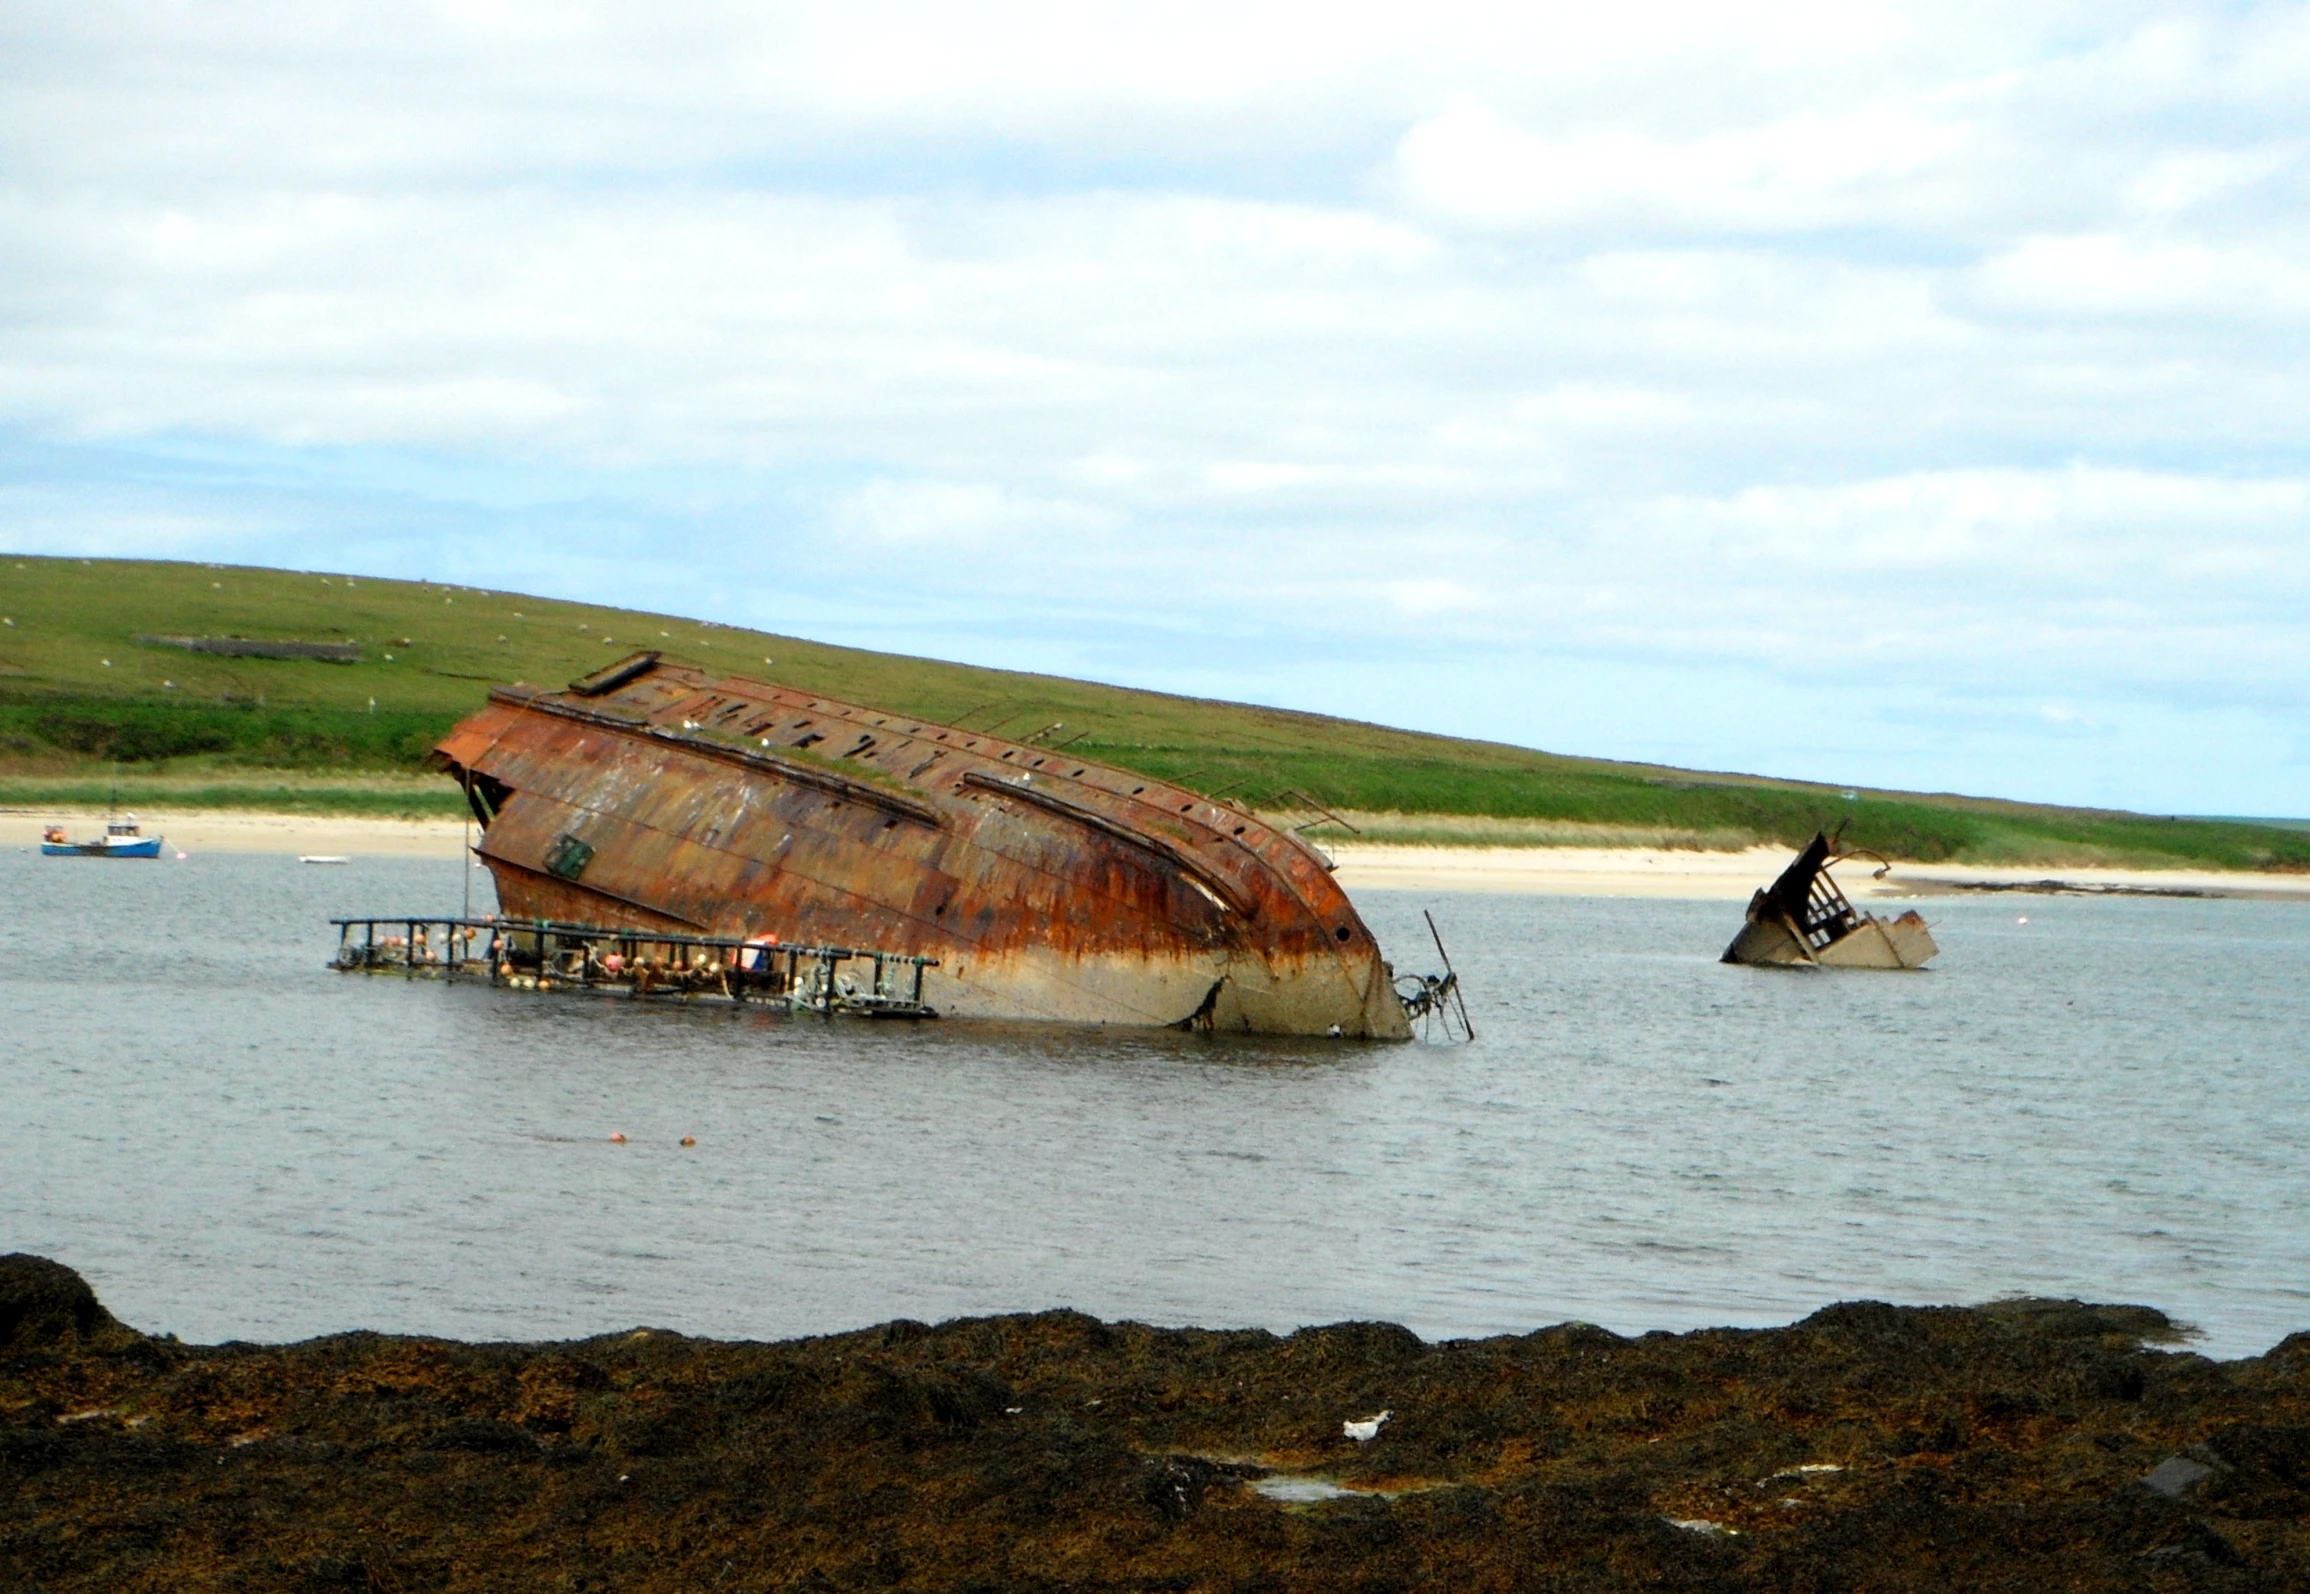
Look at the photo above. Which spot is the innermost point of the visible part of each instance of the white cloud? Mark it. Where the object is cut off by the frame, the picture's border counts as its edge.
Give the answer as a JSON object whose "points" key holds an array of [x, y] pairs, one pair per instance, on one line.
{"points": [[1966, 335], [1855, 167], [2080, 527], [2114, 275], [948, 515], [2185, 179]]}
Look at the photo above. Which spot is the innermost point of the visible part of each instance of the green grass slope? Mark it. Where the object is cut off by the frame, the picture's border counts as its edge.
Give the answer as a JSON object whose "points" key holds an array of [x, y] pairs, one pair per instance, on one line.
{"points": [[84, 702]]}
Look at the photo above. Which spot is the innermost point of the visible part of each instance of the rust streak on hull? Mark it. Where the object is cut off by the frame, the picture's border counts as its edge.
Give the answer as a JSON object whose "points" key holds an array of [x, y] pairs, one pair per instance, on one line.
{"points": [[656, 795]]}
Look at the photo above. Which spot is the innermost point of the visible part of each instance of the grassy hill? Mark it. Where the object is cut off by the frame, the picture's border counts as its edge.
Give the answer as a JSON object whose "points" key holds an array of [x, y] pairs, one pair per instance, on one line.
{"points": [[88, 696]]}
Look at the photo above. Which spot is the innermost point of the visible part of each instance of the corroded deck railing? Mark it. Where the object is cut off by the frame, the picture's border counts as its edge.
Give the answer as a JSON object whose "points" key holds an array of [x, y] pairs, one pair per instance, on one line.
{"points": [[551, 954]]}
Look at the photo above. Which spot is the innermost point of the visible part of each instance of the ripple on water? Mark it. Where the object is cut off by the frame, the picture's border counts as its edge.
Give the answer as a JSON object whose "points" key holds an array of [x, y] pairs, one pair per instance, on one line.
{"points": [[232, 1141]]}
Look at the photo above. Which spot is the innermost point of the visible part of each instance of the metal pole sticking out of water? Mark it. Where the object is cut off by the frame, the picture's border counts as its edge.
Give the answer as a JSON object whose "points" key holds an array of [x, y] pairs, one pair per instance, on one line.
{"points": [[1457, 998]]}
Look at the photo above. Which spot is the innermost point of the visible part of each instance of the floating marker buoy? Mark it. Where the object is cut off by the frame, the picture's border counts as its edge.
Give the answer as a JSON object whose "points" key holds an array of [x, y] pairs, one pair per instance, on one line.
{"points": [[689, 1140], [2024, 919], [180, 857], [617, 1137]]}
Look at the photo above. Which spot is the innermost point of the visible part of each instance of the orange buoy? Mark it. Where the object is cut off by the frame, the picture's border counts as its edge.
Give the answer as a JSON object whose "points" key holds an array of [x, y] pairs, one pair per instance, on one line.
{"points": [[689, 1140], [617, 1137]]}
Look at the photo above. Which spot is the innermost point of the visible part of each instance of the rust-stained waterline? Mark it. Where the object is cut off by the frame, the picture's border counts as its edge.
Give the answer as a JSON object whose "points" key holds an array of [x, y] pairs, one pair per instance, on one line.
{"points": [[655, 795]]}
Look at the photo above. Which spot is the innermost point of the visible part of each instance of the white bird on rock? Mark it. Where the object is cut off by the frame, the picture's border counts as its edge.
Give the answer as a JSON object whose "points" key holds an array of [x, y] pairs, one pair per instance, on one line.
{"points": [[1363, 1433]]}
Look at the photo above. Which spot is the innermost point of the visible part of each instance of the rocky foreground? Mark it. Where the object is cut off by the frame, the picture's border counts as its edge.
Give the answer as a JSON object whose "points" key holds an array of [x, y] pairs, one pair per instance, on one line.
{"points": [[2035, 1445]]}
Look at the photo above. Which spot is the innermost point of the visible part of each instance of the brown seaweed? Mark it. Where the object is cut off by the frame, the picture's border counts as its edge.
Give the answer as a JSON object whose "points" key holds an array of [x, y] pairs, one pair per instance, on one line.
{"points": [[2023, 1445]]}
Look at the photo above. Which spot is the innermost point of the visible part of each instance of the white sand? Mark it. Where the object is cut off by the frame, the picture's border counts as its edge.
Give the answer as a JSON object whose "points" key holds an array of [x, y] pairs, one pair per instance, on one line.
{"points": [[1632, 872], [229, 831], [1546, 871], [1558, 871]]}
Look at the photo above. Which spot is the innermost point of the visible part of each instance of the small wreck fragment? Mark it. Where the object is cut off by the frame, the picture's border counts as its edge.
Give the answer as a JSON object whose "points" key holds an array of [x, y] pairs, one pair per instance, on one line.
{"points": [[655, 796], [1803, 919]]}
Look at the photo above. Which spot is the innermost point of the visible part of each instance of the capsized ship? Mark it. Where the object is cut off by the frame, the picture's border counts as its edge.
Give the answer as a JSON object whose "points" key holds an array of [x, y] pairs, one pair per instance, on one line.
{"points": [[655, 795], [1804, 919]]}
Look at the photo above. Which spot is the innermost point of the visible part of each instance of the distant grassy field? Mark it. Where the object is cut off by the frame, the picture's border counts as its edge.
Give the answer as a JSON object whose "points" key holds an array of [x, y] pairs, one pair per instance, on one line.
{"points": [[84, 703]]}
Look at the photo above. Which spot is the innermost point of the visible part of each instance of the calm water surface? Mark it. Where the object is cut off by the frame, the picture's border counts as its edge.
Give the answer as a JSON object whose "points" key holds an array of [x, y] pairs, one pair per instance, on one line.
{"points": [[2110, 1100]]}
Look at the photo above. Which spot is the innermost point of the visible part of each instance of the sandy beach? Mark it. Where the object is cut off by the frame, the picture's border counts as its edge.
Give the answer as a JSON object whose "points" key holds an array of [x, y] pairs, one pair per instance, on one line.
{"points": [[1644, 872], [195, 831], [1539, 871]]}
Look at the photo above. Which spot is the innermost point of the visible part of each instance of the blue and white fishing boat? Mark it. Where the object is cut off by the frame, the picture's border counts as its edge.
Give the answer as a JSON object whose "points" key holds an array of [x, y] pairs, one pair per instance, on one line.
{"points": [[121, 839]]}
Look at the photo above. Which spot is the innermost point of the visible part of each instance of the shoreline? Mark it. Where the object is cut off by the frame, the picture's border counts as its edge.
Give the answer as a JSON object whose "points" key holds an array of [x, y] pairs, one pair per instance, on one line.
{"points": [[195, 831], [2023, 1443], [1525, 871], [1733, 876]]}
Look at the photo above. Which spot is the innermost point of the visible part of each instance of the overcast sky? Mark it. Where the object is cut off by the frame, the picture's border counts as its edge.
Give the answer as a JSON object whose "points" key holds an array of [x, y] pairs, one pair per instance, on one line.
{"points": [[1904, 395]]}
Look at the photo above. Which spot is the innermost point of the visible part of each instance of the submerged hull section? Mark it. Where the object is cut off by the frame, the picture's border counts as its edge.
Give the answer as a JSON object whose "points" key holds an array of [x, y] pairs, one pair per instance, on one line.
{"points": [[1802, 920], [1048, 887]]}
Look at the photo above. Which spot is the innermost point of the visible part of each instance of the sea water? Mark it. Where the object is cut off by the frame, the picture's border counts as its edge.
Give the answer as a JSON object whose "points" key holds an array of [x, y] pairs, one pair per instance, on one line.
{"points": [[2109, 1100]]}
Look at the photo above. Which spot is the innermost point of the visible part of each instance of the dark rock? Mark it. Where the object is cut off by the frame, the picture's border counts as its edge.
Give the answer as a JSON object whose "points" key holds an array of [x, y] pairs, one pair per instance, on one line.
{"points": [[1173, 1486], [1361, 1344], [2175, 1476], [2260, 1471], [2198, 1545], [45, 1306], [899, 1397], [2074, 1319], [2291, 1354]]}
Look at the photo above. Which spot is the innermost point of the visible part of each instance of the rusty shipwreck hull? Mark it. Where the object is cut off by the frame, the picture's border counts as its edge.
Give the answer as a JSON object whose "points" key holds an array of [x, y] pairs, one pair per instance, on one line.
{"points": [[1803, 920], [656, 795]]}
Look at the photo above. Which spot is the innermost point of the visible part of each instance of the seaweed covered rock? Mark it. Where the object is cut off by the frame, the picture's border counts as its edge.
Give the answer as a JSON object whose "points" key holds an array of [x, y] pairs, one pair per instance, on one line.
{"points": [[2025, 1445], [45, 1306]]}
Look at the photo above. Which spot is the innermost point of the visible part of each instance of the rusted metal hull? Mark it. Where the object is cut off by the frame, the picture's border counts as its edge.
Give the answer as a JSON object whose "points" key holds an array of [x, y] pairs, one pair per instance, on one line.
{"points": [[1048, 887], [1802, 920]]}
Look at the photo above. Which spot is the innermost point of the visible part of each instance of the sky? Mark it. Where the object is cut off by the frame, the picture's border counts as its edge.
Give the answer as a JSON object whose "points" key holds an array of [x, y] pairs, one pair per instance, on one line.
{"points": [[1906, 396]]}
